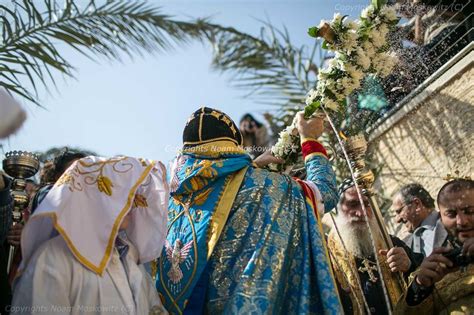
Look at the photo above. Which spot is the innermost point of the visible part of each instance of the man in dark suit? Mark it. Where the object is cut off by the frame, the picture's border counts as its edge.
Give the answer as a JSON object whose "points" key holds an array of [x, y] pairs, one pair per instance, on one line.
{"points": [[415, 208]]}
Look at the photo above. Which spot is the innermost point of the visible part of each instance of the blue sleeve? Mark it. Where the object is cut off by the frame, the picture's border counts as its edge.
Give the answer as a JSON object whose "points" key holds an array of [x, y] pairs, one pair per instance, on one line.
{"points": [[320, 172]]}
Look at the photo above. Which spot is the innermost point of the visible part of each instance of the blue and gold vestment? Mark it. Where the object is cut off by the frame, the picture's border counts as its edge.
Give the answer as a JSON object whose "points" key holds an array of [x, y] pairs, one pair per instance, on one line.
{"points": [[245, 240]]}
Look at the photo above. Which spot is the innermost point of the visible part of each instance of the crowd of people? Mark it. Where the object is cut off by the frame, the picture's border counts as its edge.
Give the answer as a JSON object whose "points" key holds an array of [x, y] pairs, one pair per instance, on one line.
{"points": [[221, 234], [218, 233], [437, 283]]}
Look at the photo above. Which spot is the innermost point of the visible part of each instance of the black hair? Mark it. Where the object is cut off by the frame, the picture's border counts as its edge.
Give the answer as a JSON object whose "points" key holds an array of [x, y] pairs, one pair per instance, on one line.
{"points": [[454, 186], [411, 191], [251, 118], [63, 159]]}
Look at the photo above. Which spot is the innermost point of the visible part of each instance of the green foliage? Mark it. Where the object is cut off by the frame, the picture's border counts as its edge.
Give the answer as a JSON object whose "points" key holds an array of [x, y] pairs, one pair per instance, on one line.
{"points": [[313, 31], [269, 67], [378, 3], [275, 72], [311, 108], [32, 32]]}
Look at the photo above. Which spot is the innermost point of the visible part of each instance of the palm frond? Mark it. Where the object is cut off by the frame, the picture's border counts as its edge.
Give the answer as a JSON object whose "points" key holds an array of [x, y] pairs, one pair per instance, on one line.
{"points": [[274, 71], [31, 32]]}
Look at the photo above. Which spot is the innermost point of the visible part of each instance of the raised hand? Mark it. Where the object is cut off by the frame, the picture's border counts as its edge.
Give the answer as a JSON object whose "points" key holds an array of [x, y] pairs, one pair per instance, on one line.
{"points": [[267, 158], [468, 247], [14, 235], [434, 267], [309, 128], [397, 259]]}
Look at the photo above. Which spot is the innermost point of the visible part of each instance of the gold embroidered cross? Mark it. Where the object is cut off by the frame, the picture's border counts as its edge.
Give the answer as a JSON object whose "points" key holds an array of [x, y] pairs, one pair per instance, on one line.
{"points": [[369, 269]]}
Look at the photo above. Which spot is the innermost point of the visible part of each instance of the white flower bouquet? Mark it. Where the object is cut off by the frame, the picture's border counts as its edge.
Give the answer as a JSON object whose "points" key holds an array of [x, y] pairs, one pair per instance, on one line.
{"points": [[360, 48]]}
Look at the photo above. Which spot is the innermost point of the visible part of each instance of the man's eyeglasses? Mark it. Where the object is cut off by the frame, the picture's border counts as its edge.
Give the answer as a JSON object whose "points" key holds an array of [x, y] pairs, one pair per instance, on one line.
{"points": [[397, 211]]}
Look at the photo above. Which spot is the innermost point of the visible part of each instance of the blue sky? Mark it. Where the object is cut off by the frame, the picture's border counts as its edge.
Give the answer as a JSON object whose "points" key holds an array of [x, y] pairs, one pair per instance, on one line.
{"points": [[139, 107]]}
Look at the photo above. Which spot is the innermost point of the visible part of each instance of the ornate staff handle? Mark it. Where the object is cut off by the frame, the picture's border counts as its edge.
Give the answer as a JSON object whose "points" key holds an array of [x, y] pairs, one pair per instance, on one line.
{"points": [[20, 203], [20, 165], [356, 148]]}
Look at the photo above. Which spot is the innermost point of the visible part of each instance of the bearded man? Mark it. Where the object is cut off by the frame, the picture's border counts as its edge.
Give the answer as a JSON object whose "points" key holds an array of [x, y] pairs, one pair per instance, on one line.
{"points": [[353, 258]]}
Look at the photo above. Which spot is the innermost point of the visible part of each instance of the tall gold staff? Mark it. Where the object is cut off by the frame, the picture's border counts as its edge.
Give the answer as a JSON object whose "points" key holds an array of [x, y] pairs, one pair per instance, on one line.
{"points": [[356, 148], [20, 165]]}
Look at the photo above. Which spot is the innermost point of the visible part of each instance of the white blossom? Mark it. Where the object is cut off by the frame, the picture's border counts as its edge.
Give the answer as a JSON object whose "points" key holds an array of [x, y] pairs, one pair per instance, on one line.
{"points": [[354, 57], [356, 84], [339, 93], [383, 64], [369, 49], [354, 73], [376, 64], [321, 87], [284, 136], [284, 141], [330, 104], [368, 12], [377, 39], [332, 63], [311, 96], [329, 84], [350, 41], [348, 86], [383, 29], [321, 24], [294, 147], [353, 25], [387, 62], [338, 62], [337, 18], [388, 14], [362, 60]]}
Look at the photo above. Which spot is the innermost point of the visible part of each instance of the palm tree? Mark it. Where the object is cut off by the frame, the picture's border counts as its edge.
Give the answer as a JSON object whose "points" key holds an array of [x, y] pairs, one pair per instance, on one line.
{"points": [[274, 71], [31, 32], [269, 67]]}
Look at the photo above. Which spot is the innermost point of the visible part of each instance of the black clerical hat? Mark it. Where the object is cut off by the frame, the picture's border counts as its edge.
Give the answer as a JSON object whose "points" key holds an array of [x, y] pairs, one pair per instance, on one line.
{"points": [[207, 125], [345, 185]]}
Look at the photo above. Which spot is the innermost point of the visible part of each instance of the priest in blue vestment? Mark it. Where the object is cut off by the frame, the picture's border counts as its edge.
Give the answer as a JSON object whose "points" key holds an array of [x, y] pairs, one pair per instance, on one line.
{"points": [[242, 239]]}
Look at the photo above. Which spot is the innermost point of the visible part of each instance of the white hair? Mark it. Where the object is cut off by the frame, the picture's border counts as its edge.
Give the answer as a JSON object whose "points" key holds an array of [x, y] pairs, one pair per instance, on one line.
{"points": [[355, 236]]}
